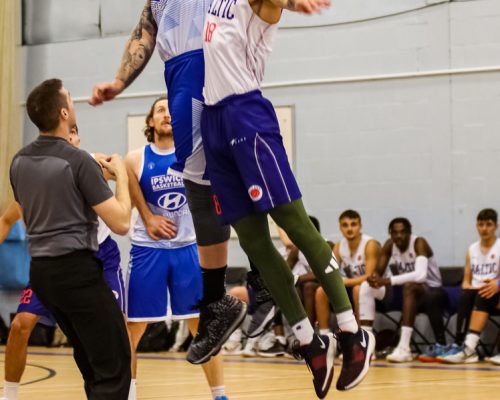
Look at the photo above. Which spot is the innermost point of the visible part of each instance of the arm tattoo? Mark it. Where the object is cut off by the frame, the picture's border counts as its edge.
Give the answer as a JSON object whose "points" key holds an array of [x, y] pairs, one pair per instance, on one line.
{"points": [[139, 47], [290, 4]]}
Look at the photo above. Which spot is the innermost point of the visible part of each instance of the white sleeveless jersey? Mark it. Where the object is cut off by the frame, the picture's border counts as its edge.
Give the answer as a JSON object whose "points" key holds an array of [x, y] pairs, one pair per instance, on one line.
{"points": [[102, 231], [403, 263], [353, 265], [180, 25], [484, 266], [236, 44]]}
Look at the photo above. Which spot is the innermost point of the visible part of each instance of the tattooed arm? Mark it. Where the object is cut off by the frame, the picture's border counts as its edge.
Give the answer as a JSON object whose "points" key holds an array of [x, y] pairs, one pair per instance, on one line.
{"points": [[138, 51]]}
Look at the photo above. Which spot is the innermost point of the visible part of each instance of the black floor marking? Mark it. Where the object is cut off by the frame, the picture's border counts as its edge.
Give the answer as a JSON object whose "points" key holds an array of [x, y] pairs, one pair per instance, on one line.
{"points": [[50, 374]]}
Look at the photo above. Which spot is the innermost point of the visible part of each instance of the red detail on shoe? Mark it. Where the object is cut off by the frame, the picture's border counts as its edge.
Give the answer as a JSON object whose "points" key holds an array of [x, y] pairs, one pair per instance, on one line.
{"points": [[358, 355], [318, 362]]}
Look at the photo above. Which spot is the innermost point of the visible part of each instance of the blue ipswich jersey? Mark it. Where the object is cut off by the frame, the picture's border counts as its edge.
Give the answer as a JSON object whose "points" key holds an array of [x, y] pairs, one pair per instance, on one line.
{"points": [[180, 45], [165, 195]]}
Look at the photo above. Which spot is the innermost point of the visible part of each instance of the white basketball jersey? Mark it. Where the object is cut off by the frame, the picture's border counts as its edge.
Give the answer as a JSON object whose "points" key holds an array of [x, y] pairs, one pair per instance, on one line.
{"points": [[102, 231], [353, 265], [403, 263], [236, 44], [180, 25], [484, 266]]}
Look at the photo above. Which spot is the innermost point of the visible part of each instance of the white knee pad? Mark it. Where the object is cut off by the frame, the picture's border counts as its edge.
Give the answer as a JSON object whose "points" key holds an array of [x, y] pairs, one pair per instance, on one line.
{"points": [[367, 296]]}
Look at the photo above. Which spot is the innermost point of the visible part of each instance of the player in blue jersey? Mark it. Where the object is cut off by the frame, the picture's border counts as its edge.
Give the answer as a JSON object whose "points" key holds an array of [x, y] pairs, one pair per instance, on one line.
{"points": [[162, 269], [31, 311], [175, 27]]}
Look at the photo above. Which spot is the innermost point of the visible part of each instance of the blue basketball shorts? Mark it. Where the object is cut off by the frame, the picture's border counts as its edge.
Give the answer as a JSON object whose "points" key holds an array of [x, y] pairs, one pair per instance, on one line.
{"points": [[109, 254], [246, 160], [156, 277]]}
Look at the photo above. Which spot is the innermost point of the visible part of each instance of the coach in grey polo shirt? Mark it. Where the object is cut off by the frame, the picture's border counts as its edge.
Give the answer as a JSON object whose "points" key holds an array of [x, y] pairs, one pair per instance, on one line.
{"points": [[61, 190]]}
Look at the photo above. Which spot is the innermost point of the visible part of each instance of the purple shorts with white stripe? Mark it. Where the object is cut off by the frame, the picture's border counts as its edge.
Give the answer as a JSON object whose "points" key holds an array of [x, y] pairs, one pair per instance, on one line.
{"points": [[109, 254], [246, 160]]}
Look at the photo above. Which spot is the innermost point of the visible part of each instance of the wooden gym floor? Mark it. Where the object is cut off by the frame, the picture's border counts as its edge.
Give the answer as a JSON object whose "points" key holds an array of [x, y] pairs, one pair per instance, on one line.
{"points": [[51, 374]]}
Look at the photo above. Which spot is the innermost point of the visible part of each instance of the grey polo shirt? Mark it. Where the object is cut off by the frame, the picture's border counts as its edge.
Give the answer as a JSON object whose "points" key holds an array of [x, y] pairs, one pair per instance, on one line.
{"points": [[56, 185]]}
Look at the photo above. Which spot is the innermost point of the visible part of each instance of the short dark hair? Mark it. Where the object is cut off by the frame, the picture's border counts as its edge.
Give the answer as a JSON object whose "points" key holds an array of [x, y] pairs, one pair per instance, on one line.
{"points": [[149, 131], [315, 222], [351, 214], [487, 214], [44, 104], [400, 220]]}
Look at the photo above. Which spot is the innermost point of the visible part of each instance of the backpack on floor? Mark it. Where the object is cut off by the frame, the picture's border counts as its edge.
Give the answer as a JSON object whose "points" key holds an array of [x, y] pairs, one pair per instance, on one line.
{"points": [[157, 337]]}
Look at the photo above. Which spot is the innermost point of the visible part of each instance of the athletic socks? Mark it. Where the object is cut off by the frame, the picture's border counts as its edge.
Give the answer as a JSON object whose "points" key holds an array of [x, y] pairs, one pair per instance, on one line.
{"points": [[132, 394], [347, 321], [217, 391], [368, 328], [214, 284], [10, 390], [472, 340], [404, 341], [325, 331], [303, 331]]}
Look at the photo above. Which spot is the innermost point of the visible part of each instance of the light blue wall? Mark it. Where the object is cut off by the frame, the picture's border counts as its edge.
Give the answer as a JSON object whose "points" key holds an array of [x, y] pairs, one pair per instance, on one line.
{"points": [[426, 148]]}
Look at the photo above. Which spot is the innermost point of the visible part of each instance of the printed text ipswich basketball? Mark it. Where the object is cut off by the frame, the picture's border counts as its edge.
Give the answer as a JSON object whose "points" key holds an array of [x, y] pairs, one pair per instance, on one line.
{"points": [[163, 182]]}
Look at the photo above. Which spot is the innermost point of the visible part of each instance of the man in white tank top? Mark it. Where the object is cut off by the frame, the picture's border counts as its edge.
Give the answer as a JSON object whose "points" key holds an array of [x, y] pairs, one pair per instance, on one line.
{"points": [[415, 278], [358, 254], [251, 177], [480, 291]]}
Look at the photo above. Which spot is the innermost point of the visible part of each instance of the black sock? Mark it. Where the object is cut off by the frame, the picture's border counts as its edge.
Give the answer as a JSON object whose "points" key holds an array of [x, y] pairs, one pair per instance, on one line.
{"points": [[214, 284]]}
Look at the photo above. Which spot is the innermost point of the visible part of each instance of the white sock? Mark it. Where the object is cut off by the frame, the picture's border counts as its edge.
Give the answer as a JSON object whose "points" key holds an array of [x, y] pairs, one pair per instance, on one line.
{"points": [[10, 390], [347, 321], [367, 328], [325, 331], [132, 393], [404, 340], [471, 340], [281, 340], [217, 391], [303, 331]]}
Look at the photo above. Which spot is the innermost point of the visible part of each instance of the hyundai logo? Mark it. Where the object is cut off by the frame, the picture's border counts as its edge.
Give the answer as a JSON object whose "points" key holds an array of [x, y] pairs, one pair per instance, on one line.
{"points": [[172, 201]]}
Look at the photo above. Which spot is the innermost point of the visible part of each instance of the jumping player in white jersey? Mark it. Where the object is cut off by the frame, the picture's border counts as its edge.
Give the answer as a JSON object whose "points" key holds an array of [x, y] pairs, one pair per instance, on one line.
{"points": [[175, 27], [162, 269], [251, 177], [358, 254], [31, 311], [480, 291], [415, 282]]}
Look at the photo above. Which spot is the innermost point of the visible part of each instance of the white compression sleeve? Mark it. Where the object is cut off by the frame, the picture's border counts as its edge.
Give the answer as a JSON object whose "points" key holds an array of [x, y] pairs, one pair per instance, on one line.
{"points": [[418, 276]]}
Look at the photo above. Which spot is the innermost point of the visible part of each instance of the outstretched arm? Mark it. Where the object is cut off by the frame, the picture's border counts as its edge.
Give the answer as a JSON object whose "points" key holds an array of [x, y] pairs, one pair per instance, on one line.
{"points": [[8, 219], [138, 51]]}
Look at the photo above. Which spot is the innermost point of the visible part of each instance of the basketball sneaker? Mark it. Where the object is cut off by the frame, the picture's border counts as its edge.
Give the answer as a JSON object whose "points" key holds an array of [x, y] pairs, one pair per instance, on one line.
{"points": [[218, 320], [400, 355], [465, 356], [494, 360], [433, 353], [265, 308], [221, 398], [358, 349], [276, 350], [450, 351], [319, 356], [233, 346], [250, 348]]}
